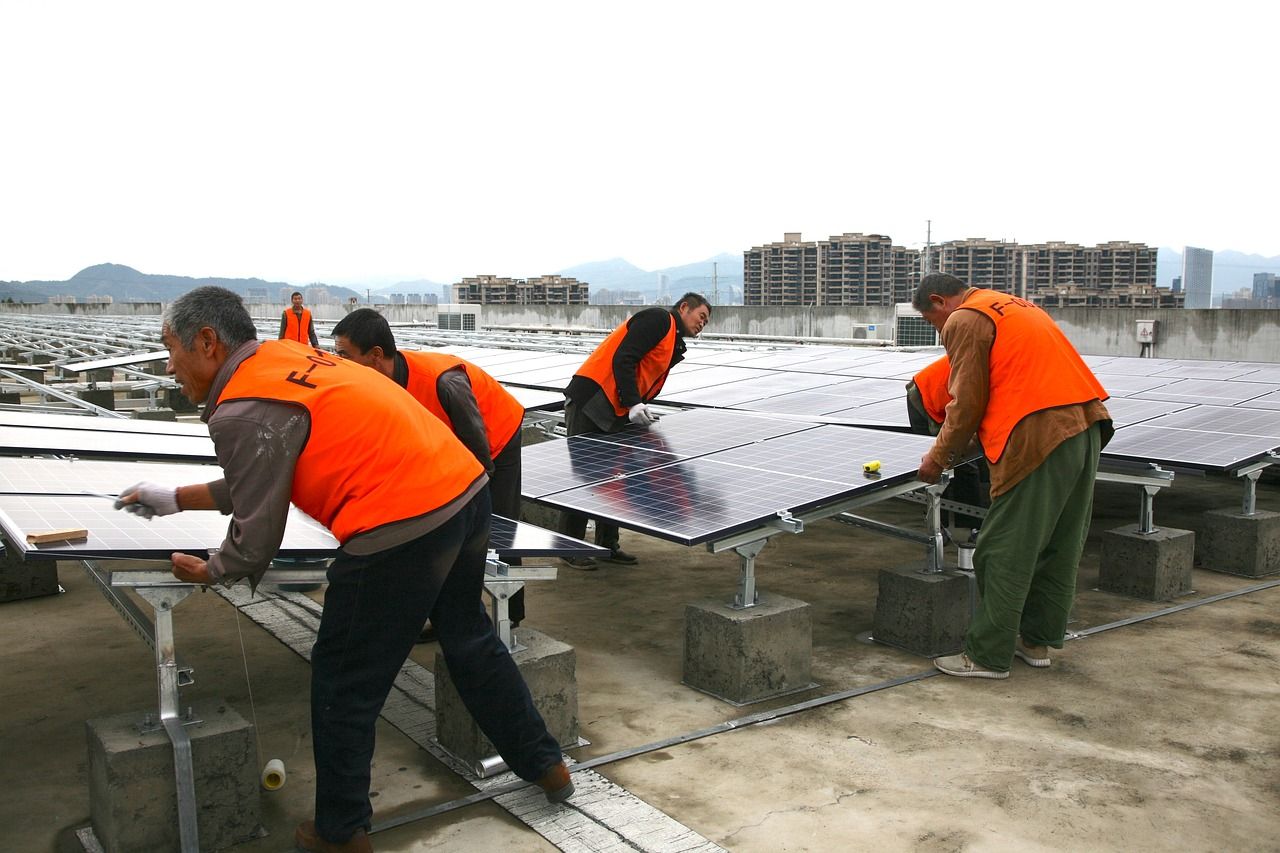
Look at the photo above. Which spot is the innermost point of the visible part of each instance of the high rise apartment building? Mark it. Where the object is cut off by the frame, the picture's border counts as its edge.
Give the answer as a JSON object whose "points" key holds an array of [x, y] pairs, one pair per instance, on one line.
{"points": [[847, 269], [862, 269], [992, 264], [1197, 277], [544, 290]]}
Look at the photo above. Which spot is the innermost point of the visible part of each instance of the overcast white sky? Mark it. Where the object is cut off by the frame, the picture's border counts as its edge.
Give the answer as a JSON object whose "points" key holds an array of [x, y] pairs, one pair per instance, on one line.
{"points": [[364, 143]]}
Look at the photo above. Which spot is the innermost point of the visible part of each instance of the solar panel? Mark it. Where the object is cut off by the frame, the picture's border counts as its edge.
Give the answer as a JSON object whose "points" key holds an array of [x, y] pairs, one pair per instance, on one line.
{"points": [[1220, 373], [805, 403], [1126, 411], [695, 433], [116, 361], [885, 413], [1269, 374], [554, 466], [534, 399], [106, 443], [704, 377], [1228, 420], [1147, 442], [94, 476], [1266, 401], [518, 539], [101, 423], [698, 500], [1207, 391], [114, 534], [1124, 384]]}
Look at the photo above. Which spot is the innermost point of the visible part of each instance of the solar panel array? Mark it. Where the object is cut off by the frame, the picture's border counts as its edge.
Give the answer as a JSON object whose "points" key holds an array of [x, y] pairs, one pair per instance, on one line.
{"points": [[866, 387], [703, 474], [38, 495]]}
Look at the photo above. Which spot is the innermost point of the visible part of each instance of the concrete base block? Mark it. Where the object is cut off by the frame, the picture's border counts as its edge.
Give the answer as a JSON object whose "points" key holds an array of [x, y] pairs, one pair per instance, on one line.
{"points": [[1238, 544], [922, 613], [549, 668], [104, 398], [133, 799], [749, 654], [156, 414], [1154, 566], [21, 579]]}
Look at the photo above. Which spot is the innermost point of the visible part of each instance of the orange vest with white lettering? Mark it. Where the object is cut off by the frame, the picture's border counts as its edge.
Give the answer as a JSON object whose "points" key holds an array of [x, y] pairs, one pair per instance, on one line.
{"points": [[651, 372], [1032, 367], [932, 385], [373, 455], [501, 412], [297, 328]]}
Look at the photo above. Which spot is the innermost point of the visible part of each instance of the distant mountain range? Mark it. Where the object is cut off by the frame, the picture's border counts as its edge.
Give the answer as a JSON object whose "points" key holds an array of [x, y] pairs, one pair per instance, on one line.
{"points": [[125, 284], [611, 280]]}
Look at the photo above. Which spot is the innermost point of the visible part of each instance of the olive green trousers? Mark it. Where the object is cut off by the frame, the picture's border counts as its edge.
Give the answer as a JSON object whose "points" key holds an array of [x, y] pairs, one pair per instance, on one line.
{"points": [[1029, 551]]}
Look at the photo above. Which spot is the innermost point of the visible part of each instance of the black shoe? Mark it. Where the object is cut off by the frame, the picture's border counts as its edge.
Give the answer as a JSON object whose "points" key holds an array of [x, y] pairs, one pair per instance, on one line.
{"points": [[582, 564], [621, 557]]}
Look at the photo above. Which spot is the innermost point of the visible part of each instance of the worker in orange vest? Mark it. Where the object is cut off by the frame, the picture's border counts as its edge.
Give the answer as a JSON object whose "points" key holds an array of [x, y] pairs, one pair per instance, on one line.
{"points": [[296, 323], [410, 509], [1019, 384], [480, 412], [615, 385]]}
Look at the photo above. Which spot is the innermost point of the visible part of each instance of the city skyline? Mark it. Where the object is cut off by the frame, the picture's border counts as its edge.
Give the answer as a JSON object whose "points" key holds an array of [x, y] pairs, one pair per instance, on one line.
{"points": [[399, 143]]}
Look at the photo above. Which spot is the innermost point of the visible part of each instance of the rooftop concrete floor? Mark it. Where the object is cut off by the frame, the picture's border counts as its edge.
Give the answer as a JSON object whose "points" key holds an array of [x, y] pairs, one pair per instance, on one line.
{"points": [[1156, 736]]}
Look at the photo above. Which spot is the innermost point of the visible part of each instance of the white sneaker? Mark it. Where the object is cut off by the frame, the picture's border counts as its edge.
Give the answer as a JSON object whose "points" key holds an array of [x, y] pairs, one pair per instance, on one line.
{"points": [[962, 666], [1037, 656]]}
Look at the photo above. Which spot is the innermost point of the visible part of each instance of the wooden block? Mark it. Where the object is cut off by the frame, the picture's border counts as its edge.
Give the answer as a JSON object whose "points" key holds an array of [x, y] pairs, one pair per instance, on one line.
{"points": [[65, 534]]}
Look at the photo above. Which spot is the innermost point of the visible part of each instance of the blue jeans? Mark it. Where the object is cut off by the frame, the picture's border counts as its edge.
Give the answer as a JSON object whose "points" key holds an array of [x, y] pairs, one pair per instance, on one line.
{"points": [[373, 612]]}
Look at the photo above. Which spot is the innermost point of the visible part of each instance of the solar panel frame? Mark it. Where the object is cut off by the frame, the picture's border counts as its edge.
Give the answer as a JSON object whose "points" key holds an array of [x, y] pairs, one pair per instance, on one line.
{"points": [[103, 443]]}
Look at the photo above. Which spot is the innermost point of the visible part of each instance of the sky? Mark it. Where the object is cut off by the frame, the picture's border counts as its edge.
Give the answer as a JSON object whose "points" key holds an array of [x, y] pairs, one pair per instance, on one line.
{"points": [[369, 143]]}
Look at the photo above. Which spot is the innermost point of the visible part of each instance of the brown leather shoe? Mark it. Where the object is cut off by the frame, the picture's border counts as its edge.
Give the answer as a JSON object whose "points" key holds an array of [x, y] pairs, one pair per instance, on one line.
{"points": [[308, 840], [556, 784]]}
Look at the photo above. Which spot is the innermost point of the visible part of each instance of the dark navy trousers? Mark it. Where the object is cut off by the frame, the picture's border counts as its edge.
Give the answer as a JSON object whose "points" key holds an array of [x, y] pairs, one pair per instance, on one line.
{"points": [[374, 609]]}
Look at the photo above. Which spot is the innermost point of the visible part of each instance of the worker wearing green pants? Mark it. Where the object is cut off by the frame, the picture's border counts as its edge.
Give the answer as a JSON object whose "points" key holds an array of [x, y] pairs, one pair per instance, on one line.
{"points": [[1029, 551]]}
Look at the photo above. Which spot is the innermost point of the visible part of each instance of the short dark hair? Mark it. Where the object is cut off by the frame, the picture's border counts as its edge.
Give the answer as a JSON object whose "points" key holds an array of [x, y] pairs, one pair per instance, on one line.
{"points": [[366, 329], [938, 283], [295, 293], [694, 301], [215, 307]]}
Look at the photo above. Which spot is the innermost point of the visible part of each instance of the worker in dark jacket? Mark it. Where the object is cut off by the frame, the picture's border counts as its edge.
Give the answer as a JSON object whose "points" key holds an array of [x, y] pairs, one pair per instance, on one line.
{"points": [[615, 385], [480, 412]]}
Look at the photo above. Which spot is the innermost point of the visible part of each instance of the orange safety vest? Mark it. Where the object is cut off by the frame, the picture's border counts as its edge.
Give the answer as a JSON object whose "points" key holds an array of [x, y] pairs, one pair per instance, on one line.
{"points": [[297, 328], [651, 372], [501, 412], [1032, 367], [373, 456], [932, 385]]}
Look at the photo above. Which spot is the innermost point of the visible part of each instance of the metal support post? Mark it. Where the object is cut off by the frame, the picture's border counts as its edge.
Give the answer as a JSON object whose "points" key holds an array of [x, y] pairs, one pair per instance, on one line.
{"points": [[934, 561], [169, 677], [502, 581], [747, 596], [1250, 474]]}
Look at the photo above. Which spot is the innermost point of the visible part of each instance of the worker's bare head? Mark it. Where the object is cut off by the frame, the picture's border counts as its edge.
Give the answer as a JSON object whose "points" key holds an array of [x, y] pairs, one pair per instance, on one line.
{"points": [[200, 329], [937, 295], [364, 336], [694, 311]]}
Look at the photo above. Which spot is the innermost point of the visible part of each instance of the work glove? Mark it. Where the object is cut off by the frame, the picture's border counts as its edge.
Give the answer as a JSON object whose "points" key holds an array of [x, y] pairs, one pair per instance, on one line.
{"points": [[152, 500], [641, 415]]}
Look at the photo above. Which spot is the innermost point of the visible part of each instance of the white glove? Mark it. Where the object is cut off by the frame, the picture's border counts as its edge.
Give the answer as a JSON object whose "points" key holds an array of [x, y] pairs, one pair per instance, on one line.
{"points": [[151, 499], [641, 415]]}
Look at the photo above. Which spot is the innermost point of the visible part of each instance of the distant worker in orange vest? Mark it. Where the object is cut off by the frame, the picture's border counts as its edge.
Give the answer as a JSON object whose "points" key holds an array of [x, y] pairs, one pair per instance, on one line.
{"points": [[927, 399], [615, 385], [410, 509], [296, 323], [1017, 382], [482, 414]]}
